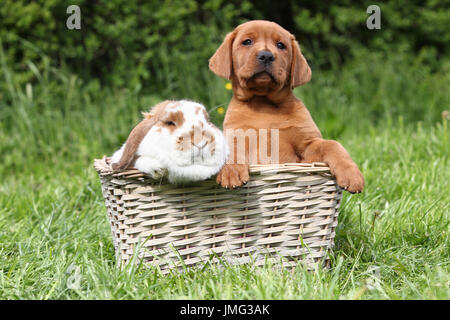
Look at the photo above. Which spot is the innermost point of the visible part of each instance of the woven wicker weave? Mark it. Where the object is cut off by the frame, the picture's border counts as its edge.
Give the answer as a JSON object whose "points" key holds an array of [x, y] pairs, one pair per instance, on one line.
{"points": [[287, 210]]}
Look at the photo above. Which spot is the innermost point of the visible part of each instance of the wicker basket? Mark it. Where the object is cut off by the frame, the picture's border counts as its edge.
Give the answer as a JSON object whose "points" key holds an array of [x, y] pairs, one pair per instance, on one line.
{"points": [[285, 213]]}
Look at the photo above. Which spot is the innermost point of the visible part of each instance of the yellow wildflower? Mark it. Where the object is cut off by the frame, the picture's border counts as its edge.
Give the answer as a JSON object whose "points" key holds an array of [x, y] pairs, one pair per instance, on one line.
{"points": [[228, 86], [220, 110]]}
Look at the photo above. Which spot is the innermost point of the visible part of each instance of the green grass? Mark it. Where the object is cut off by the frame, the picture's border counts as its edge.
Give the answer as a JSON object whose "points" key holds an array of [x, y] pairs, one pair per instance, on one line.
{"points": [[392, 241]]}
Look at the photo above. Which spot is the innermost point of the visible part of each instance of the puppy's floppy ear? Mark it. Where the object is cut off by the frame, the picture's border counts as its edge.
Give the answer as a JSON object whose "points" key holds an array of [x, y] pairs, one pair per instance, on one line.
{"points": [[300, 70], [137, 135], [221, 63]]}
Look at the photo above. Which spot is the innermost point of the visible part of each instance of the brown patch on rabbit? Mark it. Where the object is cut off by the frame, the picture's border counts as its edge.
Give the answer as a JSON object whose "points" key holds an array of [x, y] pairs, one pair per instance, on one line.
{"points": [[137, 134]]}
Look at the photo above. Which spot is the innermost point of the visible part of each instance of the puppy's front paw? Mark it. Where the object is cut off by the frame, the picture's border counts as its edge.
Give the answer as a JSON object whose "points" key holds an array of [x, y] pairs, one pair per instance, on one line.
{"points": [[350, 178], [233, 175]]}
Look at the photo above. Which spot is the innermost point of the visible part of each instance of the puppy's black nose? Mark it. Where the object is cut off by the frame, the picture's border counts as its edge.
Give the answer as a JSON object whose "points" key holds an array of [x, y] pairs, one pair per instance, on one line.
{"points": [[265, 57]]}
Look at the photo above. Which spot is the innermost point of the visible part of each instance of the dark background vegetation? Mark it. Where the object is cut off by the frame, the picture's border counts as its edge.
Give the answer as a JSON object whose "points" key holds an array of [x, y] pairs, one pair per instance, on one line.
{"points": [[156, 45]]}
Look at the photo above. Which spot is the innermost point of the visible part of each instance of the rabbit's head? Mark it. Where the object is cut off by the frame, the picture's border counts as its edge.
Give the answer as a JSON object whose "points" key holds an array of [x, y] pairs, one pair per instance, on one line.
{"points": [[179, 135]]}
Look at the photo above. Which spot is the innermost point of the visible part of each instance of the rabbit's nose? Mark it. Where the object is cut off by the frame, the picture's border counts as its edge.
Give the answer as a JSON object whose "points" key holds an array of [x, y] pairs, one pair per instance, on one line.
{"points": [[197, 136], [200, 146]]}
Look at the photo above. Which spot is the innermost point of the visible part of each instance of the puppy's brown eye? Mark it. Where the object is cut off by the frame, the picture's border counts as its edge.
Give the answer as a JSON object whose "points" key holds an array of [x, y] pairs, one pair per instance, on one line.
{"points": [[169, 123], [247, 42], [280, 45]]}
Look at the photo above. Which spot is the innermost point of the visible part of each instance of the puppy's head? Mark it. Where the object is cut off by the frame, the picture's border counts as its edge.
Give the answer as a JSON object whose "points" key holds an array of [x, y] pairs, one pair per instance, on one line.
{"points": [[261, 57]]}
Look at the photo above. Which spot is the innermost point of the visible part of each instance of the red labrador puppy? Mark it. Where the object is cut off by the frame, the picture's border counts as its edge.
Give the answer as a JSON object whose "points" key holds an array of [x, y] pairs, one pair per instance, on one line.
{"points": [[264, 63]]}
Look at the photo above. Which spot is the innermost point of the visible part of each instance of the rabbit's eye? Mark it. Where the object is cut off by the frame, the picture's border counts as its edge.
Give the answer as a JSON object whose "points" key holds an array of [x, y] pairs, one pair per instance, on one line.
{"points": [[169, 123]]}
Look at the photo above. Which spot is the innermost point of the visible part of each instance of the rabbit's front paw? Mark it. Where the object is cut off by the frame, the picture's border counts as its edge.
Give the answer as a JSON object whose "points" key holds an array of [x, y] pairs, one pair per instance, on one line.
{"points": [[157, 173], [151, 167]]}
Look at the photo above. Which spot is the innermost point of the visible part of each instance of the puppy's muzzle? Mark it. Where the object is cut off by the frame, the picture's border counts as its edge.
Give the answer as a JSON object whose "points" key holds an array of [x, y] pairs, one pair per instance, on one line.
{"points": [[265, 58]]}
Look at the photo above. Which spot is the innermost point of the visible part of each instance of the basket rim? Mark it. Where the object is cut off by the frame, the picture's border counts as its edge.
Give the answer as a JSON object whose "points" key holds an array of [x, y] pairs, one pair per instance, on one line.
{"points": [[103, 167]]}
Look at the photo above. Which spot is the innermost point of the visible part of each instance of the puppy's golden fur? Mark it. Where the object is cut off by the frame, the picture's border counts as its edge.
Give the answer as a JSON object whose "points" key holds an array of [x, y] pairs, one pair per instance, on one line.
{"points": [[263, 99]]}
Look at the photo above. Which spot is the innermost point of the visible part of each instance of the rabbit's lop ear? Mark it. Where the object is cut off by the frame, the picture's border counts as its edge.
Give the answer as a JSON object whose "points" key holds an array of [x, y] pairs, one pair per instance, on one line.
{"points": [[137, 135], [132, 144]]}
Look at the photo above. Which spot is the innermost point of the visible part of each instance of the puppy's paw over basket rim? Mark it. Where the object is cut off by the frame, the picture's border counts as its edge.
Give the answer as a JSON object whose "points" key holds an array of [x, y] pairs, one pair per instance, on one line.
{"points": [[286, 213]]}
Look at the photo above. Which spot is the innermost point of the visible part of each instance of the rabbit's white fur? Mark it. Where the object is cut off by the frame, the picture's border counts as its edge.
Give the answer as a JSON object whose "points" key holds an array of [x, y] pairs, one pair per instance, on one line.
{"points": [[160, 151]]}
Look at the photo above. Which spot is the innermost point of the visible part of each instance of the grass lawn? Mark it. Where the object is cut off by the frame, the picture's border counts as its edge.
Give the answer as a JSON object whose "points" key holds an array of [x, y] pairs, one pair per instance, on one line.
{"points": [[392, 240]]}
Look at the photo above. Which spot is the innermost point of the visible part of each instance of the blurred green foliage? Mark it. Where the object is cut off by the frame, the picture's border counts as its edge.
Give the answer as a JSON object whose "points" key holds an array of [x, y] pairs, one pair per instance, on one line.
{"points": [[164, 46], [121, 42]]}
